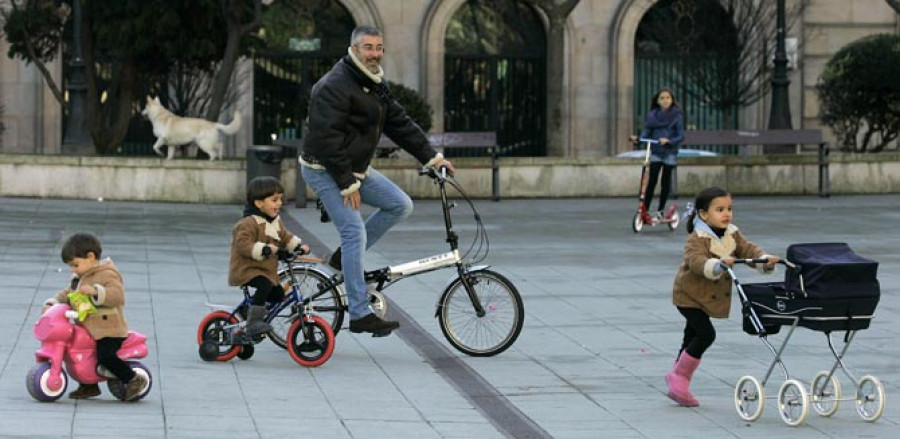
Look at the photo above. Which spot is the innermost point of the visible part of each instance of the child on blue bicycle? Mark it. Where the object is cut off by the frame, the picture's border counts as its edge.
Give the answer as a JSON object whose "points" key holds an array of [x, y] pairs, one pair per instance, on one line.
{"points": [[255, 242]]}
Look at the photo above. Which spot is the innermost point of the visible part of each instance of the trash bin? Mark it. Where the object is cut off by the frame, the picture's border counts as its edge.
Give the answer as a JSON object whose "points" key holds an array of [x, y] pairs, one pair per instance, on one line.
{"points": [[264, 160]]}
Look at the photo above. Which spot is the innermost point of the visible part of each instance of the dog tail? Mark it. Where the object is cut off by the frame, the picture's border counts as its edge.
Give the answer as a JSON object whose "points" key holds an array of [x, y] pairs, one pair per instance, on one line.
{"points": [[233, 127]]}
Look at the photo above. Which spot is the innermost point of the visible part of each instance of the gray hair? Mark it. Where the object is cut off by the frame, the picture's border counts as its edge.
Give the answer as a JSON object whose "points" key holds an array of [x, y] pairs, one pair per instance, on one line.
{"points": [[362, 31]]}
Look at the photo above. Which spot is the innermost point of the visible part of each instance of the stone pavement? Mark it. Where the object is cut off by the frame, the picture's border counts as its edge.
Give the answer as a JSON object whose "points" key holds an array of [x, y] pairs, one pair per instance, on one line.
{"points": [[599, 334]]}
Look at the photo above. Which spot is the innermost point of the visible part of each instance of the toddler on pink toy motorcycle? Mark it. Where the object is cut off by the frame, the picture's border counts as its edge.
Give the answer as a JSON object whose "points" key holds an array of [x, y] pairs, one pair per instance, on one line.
{"points": [[65, 342], [96, 298]]}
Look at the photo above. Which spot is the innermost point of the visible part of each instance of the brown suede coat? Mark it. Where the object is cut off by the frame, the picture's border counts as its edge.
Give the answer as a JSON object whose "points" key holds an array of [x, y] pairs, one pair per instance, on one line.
{"points": [[249, 236], [695, 284], [109, 320]]}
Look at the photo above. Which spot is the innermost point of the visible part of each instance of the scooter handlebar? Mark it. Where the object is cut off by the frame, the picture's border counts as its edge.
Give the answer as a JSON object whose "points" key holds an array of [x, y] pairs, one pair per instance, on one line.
{"points": [[646, 140]]}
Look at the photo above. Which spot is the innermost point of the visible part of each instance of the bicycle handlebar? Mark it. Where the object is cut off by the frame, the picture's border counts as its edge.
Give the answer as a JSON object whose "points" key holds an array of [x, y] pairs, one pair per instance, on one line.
{"points": [[287, 256], [433, 173]]}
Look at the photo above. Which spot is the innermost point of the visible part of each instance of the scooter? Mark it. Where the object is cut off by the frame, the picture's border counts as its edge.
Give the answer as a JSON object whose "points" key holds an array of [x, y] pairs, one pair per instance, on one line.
{"points": [[642, 217], [65, 342]]}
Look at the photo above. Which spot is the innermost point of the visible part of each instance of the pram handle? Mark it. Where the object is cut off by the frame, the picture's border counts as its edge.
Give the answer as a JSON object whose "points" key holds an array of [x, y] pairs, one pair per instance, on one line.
{"points": [[749, 261]]}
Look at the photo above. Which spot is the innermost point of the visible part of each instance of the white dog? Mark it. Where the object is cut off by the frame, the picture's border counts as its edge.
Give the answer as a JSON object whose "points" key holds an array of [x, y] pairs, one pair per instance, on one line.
{"points": [[172, 130]]}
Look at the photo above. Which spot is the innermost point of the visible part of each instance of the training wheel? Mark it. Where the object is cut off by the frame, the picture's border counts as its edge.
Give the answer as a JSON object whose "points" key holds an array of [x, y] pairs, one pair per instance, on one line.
{"points": [[749, 398], [825, 394], [793, 403], [870, 398]]}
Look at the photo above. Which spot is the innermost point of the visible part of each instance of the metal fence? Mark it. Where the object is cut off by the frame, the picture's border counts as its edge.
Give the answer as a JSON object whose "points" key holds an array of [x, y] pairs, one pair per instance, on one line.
{"points": [[654, 72], [497, 93]]}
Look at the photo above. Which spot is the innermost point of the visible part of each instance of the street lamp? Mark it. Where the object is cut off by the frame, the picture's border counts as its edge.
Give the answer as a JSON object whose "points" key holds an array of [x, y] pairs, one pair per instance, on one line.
{"points": [[780, 115], [76, 138]]}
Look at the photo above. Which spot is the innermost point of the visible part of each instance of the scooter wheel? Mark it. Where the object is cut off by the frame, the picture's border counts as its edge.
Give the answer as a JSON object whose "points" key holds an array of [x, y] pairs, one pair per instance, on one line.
{"points": [[117, 388], [637, 223], [38, 386]]}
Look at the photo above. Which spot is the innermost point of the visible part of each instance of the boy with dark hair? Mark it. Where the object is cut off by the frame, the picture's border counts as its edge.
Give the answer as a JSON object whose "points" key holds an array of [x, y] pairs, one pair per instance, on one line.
{"points": [[255, 242], [101, 281]]}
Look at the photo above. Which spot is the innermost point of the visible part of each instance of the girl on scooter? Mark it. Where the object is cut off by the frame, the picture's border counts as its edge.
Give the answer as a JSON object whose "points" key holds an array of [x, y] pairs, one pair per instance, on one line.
{"points": [[101, 281], [664, 123]]}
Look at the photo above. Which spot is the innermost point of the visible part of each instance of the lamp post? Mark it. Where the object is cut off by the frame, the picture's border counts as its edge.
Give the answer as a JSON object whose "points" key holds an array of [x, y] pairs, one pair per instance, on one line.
{"points": [[76, 140], [780, 114]]}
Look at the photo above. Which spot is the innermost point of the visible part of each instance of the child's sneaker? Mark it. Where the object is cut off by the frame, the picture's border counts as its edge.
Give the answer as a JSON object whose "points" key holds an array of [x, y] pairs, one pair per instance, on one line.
{"points": [[85, 391], [134, 387]]}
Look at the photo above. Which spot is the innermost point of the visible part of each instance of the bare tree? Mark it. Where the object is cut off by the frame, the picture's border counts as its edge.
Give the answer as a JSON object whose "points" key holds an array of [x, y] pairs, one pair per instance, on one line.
{"points": [[723, 48], [240, 21], [894, 4]]}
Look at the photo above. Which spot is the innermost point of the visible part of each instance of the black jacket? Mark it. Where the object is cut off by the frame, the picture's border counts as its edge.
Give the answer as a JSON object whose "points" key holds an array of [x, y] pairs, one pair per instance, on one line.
{"points": [[348, 112]]}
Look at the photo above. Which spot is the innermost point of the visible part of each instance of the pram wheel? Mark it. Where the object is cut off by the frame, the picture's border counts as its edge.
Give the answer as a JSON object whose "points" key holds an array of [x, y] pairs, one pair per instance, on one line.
{"points": [[749, 398], [825, 393], [870, 398], [793, 403]]}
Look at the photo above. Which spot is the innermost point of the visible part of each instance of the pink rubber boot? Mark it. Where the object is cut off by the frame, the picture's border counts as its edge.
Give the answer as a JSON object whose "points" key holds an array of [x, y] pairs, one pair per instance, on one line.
{"points": [[679, 380]]}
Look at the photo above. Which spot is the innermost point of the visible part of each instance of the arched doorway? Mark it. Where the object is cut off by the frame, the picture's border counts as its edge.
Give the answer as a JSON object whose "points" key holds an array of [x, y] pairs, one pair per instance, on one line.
{"points": [[691, 47], [303, 40], [494, 76]]}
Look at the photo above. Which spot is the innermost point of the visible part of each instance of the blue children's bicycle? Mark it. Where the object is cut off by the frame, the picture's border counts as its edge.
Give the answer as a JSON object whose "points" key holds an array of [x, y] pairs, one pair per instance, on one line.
{"points": [[308, 338]]}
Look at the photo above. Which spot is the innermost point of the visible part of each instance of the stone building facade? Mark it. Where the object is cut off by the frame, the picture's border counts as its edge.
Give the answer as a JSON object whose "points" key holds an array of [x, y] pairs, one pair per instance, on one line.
{"points": [[598, 92]]}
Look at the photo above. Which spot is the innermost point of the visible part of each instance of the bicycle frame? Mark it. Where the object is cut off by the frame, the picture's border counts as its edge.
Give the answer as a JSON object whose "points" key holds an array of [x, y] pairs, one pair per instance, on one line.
{"points": [[384, 277]]}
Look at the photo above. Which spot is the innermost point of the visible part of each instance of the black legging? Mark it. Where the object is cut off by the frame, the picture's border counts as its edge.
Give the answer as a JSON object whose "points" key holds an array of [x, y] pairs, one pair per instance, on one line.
{"points": [[265, 290], [664, 187], [108, 357], [699, 333]]}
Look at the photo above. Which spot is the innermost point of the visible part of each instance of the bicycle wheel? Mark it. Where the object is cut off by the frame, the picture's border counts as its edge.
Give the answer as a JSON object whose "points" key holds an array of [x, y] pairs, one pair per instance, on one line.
{"points": [[491, 333], [825, 393], [311, 343], [329, 305], [211, 336]]}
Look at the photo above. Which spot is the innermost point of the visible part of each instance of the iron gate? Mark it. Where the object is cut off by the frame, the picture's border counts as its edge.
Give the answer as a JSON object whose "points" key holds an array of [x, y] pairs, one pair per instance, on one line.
{"points": [[281, 87], [497, 93], [654, 72]]}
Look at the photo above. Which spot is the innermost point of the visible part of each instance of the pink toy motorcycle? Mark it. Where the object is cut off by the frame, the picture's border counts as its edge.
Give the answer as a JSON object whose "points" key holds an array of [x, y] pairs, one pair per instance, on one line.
{"points": [[64, 341]]}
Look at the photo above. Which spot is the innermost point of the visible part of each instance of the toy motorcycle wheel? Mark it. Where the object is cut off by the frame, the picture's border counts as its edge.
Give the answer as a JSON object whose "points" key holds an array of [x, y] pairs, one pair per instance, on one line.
{"points": [[246, 352], [212, 337], [38, 383], [117, 388], [310, 341]]}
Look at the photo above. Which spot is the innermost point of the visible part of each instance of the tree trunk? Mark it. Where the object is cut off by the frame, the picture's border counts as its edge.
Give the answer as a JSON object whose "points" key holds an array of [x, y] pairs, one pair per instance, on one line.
{"points": [[555, 74], [236, 30], [557, 13]]}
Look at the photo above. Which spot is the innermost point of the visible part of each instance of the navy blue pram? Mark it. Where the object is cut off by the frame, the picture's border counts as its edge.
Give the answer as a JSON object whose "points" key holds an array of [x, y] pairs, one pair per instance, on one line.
{"points": [[833, 289], [827, 287]]}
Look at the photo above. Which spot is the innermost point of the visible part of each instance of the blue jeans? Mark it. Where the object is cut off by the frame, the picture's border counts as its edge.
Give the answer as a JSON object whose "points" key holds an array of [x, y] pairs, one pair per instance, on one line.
{"points": [[357, 235]]}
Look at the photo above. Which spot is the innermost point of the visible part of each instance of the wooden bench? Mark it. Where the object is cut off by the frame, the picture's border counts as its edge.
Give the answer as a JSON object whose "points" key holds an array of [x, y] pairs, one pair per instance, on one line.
{"points": [[746, 138], [438, 141]]}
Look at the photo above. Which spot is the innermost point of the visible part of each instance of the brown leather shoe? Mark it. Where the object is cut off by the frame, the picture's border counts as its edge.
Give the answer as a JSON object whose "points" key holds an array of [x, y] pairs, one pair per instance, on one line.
{"points": [[374, 324], [85, 391]]}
